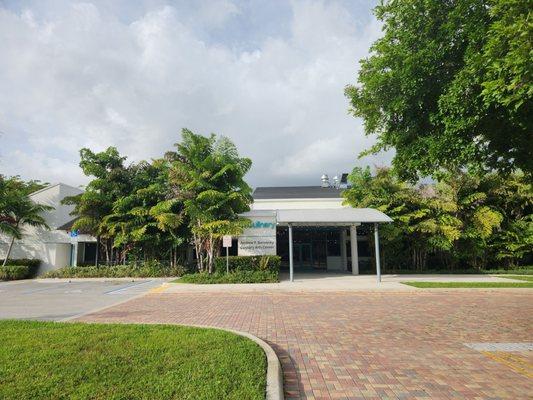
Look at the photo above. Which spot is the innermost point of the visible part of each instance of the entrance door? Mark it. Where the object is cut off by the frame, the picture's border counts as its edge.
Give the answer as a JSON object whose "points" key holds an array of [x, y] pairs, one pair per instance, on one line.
{"points": [[303, 255]]}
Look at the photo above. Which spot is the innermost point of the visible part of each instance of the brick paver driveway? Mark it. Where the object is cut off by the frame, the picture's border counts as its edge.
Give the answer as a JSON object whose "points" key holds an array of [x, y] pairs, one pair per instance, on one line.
{"points": [[369, 345]]}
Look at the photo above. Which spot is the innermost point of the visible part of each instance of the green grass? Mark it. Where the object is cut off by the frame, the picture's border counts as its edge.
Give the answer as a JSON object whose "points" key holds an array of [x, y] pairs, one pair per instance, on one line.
{"points": [[528, 278], [47, 360], [469, 284], [523, 270]]}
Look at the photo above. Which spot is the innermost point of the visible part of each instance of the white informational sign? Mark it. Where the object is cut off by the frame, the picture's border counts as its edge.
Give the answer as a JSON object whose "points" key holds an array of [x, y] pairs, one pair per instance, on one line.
{"points": [[257, 246], [226, 241]]}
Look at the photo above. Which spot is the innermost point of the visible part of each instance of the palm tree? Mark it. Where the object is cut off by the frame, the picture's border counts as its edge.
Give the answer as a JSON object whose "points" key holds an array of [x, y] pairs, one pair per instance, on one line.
{"points": [[20, 211]]}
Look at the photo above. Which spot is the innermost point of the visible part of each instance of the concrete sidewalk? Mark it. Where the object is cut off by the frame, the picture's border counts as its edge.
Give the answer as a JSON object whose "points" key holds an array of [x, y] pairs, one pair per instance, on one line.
{"points": [[324, 282]]}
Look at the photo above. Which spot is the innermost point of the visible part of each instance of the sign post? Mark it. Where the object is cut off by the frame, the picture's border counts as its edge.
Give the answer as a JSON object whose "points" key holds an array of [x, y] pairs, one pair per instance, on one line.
{"points": [[226, 242]]}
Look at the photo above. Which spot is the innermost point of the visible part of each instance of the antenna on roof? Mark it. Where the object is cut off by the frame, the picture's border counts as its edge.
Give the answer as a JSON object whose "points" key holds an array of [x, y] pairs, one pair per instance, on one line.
{"points": [[325, 181]]}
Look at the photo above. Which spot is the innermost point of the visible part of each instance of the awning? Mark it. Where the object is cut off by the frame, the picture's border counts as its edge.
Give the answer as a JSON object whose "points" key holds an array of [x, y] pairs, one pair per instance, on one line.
{"points": [[331, 216]]}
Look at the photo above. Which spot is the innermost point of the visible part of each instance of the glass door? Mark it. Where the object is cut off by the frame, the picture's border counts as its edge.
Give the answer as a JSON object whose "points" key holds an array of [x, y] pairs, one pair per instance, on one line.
{"points": [[303, 255]]}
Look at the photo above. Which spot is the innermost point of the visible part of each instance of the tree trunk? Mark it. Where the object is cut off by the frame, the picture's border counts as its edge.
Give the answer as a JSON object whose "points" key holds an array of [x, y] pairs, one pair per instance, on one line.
{"points": [[9, 251], [171, 257], [199, 256]]}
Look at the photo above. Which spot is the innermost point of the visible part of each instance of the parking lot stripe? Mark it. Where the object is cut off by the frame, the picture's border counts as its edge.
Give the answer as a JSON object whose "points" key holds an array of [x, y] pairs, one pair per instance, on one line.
{"points": [[44, 289], [515, 363], [159, 289], [127, 287]]}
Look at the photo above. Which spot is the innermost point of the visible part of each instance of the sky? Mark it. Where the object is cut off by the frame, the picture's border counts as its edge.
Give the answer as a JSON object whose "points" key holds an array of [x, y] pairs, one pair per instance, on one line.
{"points": [[270, 75]]}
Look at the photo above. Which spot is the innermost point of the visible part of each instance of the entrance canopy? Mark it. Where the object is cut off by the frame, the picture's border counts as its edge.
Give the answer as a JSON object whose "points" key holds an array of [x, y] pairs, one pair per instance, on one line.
{"points": [[345, 216], [260, 238]]}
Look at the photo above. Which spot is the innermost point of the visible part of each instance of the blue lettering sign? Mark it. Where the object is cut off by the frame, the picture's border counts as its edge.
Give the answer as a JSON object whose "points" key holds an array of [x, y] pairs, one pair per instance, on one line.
{"points": [[263, 225]]}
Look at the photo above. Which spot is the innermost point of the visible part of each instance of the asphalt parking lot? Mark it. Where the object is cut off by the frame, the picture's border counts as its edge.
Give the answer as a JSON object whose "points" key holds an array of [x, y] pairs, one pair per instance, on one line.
{"points": [[56, 300]]}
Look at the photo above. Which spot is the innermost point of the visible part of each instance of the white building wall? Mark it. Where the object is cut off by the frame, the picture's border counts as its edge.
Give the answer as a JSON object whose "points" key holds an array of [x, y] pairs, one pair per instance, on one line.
{"points": [[52, 247], [291, 204], [62, 256]]}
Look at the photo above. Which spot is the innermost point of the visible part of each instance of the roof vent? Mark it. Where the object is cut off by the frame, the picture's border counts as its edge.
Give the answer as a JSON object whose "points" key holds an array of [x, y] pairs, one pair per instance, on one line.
{"points": [[325, 181], [336, 181]]}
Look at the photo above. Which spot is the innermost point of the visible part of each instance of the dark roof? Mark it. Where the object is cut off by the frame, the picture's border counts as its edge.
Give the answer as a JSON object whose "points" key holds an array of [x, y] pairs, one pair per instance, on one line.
{"points": [[68, 226], [297, 192]]}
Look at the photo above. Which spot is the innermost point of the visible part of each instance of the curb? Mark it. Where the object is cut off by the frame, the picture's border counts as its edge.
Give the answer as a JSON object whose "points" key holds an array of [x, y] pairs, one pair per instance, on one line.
{"points": [[274, 378]]}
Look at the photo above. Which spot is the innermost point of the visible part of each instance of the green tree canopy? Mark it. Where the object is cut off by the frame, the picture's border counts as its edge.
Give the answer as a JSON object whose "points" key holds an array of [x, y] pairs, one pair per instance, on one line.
{"points": [[208, 176], [463, 220], [17, 210], [111, 180], [449, 85], [148, 221]]}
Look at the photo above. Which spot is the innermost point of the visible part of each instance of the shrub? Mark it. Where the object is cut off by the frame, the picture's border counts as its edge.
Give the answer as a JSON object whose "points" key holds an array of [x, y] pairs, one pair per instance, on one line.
{"points": [[248, 263], [15, 272], [146, 270], [29, 262], [257, 276]]}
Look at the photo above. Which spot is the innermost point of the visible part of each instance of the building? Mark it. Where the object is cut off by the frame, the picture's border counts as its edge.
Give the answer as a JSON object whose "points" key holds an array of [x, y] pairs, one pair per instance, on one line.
{"points": [[56, 247], [307, 226], [311, 229]]}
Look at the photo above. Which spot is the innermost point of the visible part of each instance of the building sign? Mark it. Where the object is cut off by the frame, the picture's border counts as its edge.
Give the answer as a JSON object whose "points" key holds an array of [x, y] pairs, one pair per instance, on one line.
{"points": [[263, 225], [259, 238], [256, 246]]}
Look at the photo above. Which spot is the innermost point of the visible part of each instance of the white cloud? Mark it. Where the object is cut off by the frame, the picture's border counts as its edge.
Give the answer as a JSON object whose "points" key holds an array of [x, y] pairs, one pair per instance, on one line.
{"points": [[82, 77], [215, 13]]}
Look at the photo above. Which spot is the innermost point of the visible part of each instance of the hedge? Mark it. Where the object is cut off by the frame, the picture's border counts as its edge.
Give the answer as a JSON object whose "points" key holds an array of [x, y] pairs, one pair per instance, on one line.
{"points": [[15, 272], [147, 270], [264, 276], [22, 268], [248, 263], [29, 262]]}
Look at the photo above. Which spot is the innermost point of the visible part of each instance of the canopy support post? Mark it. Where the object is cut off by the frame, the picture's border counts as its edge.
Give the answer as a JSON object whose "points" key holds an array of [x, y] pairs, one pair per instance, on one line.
{"points": [[291, 261], [353, 249], [376, 243]]}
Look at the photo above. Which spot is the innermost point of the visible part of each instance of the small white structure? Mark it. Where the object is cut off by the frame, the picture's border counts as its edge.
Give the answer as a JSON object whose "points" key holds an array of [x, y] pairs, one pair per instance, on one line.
{"points": [[309, 228], [55, 247]]}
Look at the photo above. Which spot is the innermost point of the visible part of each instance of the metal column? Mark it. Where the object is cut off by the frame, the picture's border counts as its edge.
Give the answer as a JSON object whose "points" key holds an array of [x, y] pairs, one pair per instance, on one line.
{"points": [[353, 247], [291, 261], [376, 242]]}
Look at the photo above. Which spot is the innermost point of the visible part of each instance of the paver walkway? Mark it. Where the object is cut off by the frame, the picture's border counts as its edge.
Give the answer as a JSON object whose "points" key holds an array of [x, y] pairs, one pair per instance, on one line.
{"points": [[342, 345]]}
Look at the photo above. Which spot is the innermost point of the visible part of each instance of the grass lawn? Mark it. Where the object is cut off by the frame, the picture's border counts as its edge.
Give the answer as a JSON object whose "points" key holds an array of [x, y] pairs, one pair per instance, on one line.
{"points": [[47, 360], [528, 278], [419, 284]]}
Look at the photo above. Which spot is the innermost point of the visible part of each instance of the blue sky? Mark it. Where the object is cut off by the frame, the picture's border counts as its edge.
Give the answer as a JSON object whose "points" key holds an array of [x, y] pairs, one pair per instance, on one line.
{"points": [[268, 74]]}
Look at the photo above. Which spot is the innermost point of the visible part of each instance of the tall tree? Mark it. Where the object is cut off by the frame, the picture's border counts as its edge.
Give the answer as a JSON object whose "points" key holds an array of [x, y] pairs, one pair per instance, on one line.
{"points": [[148, 221], [111, 180], [17, 210], [424, 220], [449, 85], [462, 221], [208, 176]]}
